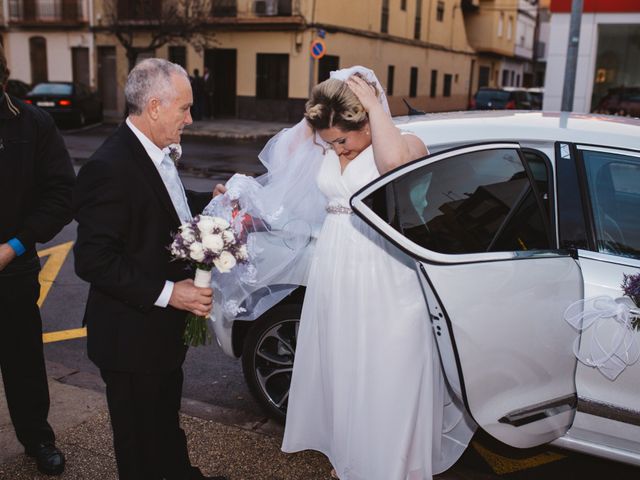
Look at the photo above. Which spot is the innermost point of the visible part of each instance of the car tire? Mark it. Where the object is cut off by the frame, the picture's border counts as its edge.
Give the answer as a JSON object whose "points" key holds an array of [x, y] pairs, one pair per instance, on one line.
{"points": [[267, 357]]}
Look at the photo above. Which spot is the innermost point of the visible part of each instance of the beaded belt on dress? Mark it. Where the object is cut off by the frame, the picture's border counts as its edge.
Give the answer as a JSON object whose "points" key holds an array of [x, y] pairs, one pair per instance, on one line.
{"points": [[339, 210]]}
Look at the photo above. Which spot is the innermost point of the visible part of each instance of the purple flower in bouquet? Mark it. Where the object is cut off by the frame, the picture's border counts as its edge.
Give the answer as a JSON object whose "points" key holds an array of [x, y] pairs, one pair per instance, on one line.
{"points": [[631, 288], [207, 242]]}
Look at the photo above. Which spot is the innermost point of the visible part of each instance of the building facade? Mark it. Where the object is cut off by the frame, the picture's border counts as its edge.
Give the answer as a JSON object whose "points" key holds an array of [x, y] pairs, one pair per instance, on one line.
{"points": [[48, 40], [608, 52], [262, 65], [432, 53], [502, 32]]}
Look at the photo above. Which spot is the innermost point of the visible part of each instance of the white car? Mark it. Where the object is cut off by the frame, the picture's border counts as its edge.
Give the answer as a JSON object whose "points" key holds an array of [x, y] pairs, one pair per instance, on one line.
{"points": [[511, 218]]}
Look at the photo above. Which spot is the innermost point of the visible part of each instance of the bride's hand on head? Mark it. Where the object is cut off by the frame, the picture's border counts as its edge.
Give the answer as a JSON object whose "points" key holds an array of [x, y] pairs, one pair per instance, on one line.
{"points": [[219, 190], [365, 92]]}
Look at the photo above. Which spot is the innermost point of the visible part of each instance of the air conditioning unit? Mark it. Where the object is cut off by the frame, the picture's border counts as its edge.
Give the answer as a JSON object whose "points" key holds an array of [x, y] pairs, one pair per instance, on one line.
{"points": [[265, 7]]}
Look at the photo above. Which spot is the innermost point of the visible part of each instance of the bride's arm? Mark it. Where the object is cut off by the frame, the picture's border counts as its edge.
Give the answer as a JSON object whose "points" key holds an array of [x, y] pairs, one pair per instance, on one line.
{"points": [[390, 148]]}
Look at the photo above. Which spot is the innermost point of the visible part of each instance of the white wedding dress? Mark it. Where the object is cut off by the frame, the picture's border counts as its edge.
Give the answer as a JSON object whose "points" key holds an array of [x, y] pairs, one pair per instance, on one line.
{"points": [[367, 387]]}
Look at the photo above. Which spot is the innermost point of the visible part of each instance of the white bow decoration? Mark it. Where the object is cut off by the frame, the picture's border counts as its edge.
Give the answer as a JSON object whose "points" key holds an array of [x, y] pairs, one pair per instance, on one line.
{"points": [[610, 350]]}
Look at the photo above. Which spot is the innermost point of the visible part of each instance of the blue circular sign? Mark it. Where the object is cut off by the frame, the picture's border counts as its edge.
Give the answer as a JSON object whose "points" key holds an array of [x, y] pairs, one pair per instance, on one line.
{"points": [[318, 48]]}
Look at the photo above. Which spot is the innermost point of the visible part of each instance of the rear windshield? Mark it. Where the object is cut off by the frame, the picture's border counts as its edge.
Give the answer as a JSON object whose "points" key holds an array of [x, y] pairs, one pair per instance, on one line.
{"points": [[52, 89], [492, 96]]}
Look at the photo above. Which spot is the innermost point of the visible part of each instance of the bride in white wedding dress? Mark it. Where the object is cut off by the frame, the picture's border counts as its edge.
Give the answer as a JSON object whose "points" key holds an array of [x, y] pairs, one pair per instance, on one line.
{"points": [[367, 387]]}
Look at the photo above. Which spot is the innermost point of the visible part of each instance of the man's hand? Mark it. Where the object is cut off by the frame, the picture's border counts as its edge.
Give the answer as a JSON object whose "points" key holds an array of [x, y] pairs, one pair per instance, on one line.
{"points": [[7, 254], [186, 296], [219, 190]]}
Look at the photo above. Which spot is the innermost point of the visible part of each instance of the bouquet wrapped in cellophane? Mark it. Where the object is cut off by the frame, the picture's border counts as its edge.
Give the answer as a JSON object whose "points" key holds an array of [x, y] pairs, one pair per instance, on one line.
{"points": [[207, 242]]}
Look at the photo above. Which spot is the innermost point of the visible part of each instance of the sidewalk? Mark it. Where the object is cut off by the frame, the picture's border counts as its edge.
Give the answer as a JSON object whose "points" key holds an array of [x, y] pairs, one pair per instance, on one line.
{"points": [[220, 441], [234, 128]]}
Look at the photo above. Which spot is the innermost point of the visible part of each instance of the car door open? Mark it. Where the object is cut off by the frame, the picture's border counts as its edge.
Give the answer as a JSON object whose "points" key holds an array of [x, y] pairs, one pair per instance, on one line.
{"points": [[496, 286]]}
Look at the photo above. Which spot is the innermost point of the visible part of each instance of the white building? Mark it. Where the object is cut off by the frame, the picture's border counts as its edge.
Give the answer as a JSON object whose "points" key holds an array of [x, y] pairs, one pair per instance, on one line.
{"points": [[608, 53]]}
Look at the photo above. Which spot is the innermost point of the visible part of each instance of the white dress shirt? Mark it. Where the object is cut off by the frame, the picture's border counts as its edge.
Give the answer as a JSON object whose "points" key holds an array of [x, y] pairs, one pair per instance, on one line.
{"points": [[157, 155]]}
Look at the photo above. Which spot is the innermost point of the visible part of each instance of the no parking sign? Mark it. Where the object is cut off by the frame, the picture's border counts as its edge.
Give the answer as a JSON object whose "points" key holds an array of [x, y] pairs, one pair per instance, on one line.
{"points": [[318, 48]]}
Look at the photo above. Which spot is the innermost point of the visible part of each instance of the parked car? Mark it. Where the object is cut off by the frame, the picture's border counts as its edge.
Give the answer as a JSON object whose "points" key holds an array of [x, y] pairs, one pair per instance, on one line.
{"points": [[507, 98], [536, 94], [69, 103], [624, 101], [524, 214], [17, 88]]}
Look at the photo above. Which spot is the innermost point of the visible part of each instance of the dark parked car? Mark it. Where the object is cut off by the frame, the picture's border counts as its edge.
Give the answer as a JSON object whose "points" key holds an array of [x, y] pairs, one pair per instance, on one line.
{"points": [[69, 103], [17, 88], [501, 99], [623, 101]]}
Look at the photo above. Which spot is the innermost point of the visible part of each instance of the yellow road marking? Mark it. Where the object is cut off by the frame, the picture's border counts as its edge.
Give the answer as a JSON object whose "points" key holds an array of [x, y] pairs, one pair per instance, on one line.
{"points": [[502, 465], [52, 266], [64, 335], [57, 255]]}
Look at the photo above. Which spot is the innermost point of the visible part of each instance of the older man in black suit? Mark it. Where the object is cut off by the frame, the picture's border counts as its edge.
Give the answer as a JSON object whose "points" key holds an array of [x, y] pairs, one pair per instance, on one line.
{"points": [[128, 200]]}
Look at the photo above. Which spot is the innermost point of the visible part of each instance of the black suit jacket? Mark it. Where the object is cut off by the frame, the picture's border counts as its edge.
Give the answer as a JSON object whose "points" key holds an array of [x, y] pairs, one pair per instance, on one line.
{"points": [[125, 225]]}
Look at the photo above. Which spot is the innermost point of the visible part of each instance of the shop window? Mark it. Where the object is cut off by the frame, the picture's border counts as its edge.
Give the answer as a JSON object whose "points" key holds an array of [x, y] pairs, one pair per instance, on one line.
{"points": [[616, 81]]}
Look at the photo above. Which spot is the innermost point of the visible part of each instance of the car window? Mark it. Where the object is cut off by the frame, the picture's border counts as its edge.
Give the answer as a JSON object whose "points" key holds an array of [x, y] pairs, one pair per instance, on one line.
{"points": [[539, 167], [481, 201], [492, 96], [613, 182], [52, 89]]}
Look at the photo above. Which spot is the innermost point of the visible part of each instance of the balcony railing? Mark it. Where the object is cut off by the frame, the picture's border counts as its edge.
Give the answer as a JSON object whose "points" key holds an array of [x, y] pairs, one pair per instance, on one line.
{"points": [[47, 11], [224, 8]]}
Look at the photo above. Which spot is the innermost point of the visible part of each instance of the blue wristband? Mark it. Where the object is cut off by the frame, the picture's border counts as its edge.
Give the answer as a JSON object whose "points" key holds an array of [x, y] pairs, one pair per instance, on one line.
{"points": [[17, 246]]}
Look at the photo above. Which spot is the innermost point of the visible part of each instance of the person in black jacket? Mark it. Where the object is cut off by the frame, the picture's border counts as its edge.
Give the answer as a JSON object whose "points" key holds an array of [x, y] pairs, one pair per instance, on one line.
{"points": [[36, 181], [128, 201]]}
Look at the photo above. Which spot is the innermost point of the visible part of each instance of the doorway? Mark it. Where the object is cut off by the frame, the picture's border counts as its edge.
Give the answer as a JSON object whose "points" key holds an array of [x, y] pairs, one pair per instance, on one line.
{"points": [[107, 81], [80, 65], [38, 58], [222, 65]]}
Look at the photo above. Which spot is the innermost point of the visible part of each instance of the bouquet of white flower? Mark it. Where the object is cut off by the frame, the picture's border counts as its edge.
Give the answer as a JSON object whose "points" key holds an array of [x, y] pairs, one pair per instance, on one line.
{"points": [[207, 242]]}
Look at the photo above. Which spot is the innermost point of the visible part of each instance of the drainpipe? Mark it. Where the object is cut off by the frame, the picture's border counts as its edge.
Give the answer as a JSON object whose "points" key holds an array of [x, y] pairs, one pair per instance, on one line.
{"points": [[312, 61], [568, 90]]}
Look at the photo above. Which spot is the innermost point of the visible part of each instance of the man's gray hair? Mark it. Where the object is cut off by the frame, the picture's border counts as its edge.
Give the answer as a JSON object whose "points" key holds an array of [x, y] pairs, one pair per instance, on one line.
{"points": [[148, 79]]}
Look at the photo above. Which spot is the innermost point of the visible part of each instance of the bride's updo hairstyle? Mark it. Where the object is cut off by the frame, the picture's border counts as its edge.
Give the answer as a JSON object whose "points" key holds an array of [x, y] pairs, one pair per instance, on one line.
{"points": [[333, 104]]}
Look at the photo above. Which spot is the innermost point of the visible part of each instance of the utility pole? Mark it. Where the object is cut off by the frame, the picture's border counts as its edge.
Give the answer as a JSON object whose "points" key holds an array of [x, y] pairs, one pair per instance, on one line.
{"points": [[572, 56]]}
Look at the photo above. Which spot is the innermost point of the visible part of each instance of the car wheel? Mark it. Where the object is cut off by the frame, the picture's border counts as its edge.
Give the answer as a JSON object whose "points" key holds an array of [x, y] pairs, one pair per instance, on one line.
{"points": [[267, 357]]}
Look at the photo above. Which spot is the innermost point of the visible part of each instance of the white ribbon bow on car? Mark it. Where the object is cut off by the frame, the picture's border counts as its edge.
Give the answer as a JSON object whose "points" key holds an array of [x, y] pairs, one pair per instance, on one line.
{"points": [[613, 344]]}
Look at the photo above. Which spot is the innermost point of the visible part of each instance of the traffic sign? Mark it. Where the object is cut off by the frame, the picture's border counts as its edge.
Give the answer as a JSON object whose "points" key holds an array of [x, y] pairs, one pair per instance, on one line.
{"points": [[318, 48]]}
